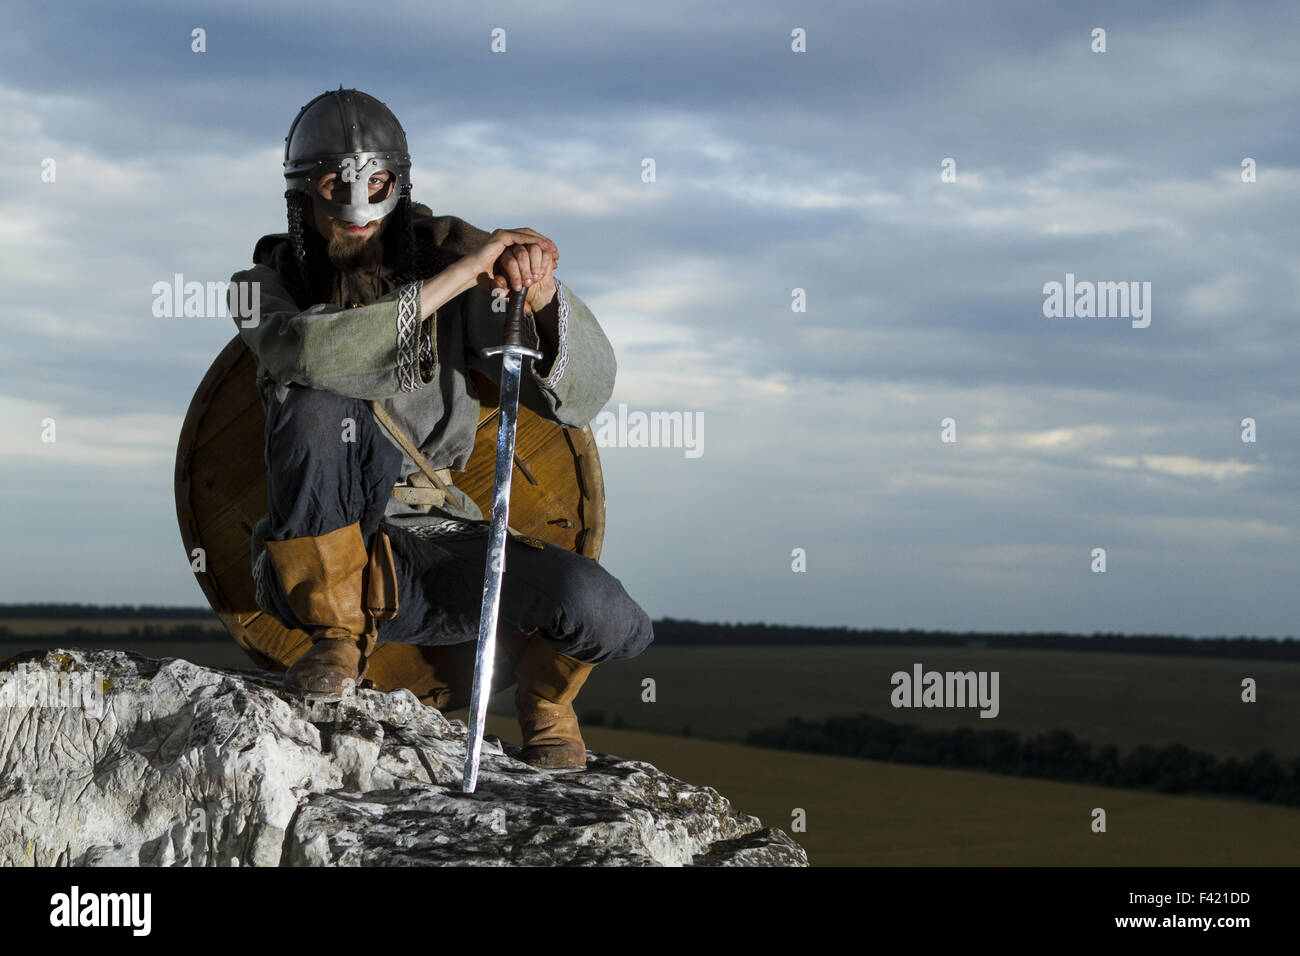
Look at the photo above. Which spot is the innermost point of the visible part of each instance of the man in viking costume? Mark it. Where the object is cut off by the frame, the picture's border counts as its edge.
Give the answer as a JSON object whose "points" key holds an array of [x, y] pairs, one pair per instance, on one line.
{"points": [[372, 316]]}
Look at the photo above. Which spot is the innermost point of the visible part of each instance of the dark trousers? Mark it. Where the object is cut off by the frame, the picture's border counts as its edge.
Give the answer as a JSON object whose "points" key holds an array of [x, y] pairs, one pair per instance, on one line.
{"points": [[318, 481]]}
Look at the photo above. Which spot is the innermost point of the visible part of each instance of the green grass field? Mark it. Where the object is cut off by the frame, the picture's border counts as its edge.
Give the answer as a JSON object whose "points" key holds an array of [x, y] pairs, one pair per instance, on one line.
{"points": [[1105, 698], [864, 813]]}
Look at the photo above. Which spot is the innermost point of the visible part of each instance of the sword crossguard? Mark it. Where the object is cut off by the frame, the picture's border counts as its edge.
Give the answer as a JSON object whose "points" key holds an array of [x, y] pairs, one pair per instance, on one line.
{"points": [[514, 332]]}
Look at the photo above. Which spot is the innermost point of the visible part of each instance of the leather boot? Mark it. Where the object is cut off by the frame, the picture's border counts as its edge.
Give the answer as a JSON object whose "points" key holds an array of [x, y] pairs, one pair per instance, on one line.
{"points": [[548, 683], [338, 591], [513, 647], [449, 684]]}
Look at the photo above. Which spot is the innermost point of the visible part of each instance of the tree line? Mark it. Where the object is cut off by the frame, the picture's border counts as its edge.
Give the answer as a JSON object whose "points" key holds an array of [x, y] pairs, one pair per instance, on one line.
{"points": [[670, 630], [103, 612], [1055, 755], [178, 633]]}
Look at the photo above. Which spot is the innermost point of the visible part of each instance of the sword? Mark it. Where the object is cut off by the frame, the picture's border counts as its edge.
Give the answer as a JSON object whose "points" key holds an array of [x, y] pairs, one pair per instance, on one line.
{"points": [[512, 352]]}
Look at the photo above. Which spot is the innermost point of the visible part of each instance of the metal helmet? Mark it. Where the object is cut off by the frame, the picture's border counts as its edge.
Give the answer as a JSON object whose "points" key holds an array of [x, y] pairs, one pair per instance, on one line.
{"points": [[355, 135]]}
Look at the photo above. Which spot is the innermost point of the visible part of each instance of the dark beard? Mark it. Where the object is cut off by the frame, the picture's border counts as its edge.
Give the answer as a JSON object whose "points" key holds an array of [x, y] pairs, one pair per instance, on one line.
{"points": [[351, 256]]}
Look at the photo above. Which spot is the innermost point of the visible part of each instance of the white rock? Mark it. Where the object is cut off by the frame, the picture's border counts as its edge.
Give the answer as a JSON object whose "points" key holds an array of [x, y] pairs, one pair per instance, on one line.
{"points": [[108, 758]]}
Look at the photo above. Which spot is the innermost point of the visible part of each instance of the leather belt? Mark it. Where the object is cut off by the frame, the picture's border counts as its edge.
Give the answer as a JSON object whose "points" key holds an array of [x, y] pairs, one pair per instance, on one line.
{"points": [[419, 490], [426, 486]]}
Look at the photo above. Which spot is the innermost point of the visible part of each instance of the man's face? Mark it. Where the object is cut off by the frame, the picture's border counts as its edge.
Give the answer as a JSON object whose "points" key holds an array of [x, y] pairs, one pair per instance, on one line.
{"points": [[347, 240]]}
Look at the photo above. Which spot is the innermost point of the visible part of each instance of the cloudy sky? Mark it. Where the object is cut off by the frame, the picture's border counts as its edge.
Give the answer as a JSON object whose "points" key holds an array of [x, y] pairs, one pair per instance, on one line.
{"points": [[775, 171]]}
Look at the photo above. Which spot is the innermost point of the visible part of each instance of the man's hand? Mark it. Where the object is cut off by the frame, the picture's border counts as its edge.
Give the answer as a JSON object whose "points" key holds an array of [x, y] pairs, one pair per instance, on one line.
{"points": [[525, 263], [509, 259], [513, 259], [528, 265]]}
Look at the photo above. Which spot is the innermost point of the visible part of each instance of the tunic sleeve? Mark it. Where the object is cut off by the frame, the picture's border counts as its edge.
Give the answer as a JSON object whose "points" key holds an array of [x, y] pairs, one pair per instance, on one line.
{"points": [[372, 351], [572, 381]]}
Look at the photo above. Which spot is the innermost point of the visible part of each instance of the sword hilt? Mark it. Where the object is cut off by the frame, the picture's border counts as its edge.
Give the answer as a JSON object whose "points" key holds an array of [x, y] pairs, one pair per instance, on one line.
{"points": [[514, 332]]}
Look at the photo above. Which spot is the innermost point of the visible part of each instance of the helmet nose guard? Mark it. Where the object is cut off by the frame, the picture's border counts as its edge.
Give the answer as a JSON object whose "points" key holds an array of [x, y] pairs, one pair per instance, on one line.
{"points": [[355, 135]]}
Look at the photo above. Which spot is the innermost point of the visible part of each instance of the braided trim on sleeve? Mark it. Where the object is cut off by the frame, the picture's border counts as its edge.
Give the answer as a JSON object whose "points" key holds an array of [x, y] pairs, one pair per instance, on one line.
{"points": [[409, 327], [562, 360]]}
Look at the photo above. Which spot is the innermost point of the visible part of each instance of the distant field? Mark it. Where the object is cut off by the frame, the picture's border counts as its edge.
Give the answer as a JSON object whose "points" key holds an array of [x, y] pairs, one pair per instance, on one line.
{"points": [[722, 693], [864, 813], [1123, 699], [223, 652]]}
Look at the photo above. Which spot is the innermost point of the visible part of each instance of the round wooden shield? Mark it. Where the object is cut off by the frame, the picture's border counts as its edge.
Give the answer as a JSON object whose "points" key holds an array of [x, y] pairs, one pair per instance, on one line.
{"points": [[557, 494]]}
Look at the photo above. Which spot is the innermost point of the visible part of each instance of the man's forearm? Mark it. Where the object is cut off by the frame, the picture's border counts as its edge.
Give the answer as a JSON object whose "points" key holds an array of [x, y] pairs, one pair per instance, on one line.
{"points": [[438, 290]]}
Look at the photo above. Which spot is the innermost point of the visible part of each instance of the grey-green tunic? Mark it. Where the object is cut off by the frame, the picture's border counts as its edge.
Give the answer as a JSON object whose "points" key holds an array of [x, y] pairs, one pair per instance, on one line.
{"points": [[373, 352]]}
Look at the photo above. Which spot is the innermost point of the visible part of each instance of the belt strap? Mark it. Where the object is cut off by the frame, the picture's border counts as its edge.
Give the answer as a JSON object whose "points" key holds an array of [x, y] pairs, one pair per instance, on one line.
{"points": [[435, 482], [428, 482], [415, 495]]}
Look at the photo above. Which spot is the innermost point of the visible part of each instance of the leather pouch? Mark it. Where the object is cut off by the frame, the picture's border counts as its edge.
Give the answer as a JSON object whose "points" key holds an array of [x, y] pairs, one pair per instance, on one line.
{"points": [[381, 579]]}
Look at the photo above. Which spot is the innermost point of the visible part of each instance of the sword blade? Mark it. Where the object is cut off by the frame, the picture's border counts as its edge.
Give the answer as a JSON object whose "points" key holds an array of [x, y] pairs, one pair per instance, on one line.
{"points": [[494, 569]]}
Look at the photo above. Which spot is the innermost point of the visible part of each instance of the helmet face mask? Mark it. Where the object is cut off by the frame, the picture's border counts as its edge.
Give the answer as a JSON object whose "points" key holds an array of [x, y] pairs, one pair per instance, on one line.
{"points": [[355, 170]]}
